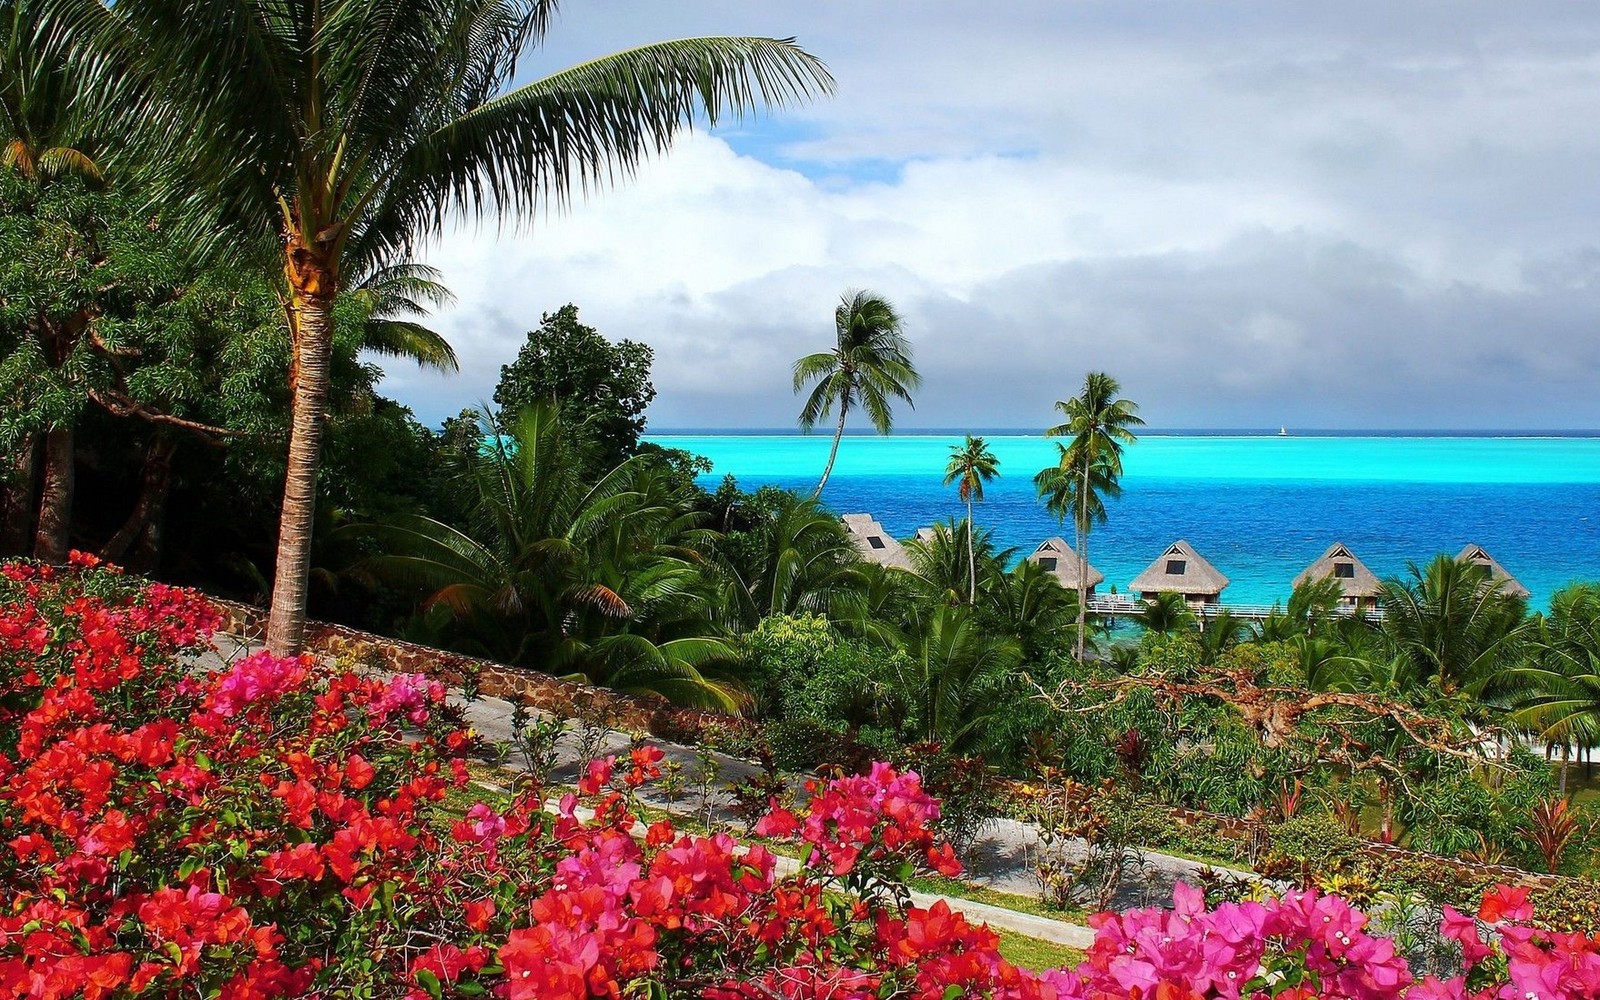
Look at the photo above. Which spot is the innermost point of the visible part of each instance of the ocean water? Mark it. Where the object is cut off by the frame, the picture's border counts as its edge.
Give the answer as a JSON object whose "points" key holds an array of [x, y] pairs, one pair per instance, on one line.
{"points": [[1259, 508]]}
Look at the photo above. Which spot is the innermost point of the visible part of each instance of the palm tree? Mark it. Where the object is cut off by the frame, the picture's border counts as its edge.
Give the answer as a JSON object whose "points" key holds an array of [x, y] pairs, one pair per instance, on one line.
{"points": [[1165, 614], [341, 132], [1100, 425], [601, 582], [394, 299], [943, 560], [1454, 622], [796, 559], [959, 673], [1556, 695], [870, 364], [971, 465]]}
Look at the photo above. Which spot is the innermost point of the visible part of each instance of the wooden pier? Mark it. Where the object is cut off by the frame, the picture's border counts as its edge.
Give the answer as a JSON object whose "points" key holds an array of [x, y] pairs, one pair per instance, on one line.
{"points": [[1134, 608]]}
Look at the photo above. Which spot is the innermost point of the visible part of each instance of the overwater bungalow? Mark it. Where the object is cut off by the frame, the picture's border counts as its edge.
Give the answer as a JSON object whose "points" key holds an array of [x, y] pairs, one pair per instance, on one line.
{"points": [[874, 543], [924, 535], [1181, 570], [1359, 587], [1058, 558], [1509, 584]]}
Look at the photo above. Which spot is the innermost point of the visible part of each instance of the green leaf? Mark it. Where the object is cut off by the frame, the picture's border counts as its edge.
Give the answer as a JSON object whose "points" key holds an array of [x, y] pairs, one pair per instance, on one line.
{"points": [[429, 982]]}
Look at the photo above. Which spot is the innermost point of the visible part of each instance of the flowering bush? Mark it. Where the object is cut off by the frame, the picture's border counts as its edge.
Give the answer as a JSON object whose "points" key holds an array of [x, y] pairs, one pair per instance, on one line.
{"points": [[283, 828]]}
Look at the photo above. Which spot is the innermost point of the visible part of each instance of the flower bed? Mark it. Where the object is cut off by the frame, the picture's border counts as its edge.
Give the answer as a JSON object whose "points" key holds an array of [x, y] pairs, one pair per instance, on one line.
{"points": [[276, 829]]}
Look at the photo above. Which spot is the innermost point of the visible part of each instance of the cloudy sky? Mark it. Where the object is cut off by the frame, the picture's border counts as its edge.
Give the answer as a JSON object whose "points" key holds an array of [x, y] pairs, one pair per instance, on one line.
{"points": [[1364, 214]]}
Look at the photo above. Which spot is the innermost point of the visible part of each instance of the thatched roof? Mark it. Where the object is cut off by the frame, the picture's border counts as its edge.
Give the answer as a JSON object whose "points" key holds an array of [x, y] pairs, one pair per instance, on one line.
{"points": [[1338, 564], [924, 534], [1059, 558], [1180, 570], [874, 543], [1477, 554]]}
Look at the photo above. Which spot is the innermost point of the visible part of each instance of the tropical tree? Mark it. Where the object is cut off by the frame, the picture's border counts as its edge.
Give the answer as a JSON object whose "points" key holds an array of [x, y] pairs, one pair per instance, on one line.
{"points": [[1099, 425], [958, 675], [1455, 624], [1029, 604], [971, 465], [795, 558], [1555, 695], [943, 560], [869, 366], [341, 132], [598, 581], [1165, 614]]}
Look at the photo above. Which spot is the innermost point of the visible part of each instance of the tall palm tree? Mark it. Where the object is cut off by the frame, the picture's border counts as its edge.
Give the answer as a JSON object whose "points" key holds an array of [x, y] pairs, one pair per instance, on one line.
{"points": [[971, 465], [869, 365], [941, 562], [341, 132], [1100, 424]]}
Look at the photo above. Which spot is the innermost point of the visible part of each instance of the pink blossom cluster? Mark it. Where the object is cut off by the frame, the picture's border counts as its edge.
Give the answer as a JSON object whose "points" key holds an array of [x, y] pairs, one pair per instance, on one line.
{"points": [[260, 677], [409, 695]]}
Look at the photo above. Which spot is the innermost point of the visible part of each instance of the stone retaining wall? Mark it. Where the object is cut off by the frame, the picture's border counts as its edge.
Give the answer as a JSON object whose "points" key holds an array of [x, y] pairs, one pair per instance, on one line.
{"points": [[547, 693]]}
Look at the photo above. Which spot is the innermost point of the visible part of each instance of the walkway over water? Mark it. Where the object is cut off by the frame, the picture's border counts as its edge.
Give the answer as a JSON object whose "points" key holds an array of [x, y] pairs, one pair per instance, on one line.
{"points": [[1123, 606]]}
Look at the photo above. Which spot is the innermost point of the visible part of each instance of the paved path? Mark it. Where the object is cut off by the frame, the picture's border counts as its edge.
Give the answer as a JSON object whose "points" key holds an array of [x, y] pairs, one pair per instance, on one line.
{"points": [[998, 858]]}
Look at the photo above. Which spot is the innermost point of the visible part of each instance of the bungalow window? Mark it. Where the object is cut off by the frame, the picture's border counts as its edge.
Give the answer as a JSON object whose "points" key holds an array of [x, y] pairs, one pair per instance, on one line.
{"points": [[1176, 567], [1049, 563], [874, 541], [1344, 570]]}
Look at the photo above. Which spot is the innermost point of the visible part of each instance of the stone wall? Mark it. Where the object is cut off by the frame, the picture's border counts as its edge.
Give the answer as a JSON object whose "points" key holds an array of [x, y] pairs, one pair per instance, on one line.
{"points": [[547, 693]]}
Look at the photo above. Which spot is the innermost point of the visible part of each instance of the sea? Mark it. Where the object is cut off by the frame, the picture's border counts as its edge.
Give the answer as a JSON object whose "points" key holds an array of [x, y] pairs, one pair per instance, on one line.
{"points": [[1258, 506]]}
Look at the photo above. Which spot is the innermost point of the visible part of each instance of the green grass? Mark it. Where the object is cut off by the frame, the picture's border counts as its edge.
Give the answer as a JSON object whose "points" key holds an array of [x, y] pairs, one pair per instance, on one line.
{"points": [[958, 889], [1031, 953]]}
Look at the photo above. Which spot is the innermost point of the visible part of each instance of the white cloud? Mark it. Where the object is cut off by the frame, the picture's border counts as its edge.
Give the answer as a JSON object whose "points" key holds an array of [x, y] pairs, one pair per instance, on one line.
{"points": [[1253, 213]]}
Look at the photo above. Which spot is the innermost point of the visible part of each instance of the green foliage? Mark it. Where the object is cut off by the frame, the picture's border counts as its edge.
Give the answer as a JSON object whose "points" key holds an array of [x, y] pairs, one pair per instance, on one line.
{"points": [[600, 388]]}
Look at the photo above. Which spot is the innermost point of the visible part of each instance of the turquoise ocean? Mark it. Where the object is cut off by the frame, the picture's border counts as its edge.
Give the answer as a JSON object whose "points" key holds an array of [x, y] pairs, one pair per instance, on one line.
{"points": [[1258, 507]]}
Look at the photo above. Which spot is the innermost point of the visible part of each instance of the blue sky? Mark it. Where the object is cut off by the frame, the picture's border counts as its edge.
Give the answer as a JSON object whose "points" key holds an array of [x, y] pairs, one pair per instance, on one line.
{"points": [[1370, 214]]}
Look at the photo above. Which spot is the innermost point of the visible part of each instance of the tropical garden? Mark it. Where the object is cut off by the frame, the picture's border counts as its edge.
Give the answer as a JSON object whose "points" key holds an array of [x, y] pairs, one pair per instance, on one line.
{"points": [[211, 218]]}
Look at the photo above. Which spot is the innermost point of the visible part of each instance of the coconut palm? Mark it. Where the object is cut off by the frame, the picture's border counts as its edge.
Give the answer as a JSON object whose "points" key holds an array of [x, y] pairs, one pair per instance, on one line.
{"points": [[1556, 694], [942, 561], [1030, 604], [1078, 493], [341, 132], [394, 299], [1165, 614], [44, 127], [796, 559], [971, 465], [1100, 425], [1455, 623], [869, 366]]}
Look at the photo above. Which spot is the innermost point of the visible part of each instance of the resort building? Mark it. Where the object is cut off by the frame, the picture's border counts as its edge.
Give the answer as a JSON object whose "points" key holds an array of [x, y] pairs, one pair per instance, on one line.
{"points": [[1359, 587], [924, 535], [1181, 570], [874, 543], [1509, 584], [1057, 557]]}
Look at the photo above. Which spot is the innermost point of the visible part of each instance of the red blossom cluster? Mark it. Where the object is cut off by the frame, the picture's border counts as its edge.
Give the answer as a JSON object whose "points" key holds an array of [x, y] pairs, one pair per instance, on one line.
{"points": [[280, 828]]}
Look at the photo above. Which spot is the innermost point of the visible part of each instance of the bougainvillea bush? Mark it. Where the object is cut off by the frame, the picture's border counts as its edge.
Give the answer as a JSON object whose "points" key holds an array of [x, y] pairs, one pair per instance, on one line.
{"points": [[281, 828]]}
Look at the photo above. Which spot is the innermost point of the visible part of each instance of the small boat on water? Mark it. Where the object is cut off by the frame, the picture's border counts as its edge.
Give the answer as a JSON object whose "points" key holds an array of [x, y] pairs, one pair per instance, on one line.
{"points": [[1283, 432]]}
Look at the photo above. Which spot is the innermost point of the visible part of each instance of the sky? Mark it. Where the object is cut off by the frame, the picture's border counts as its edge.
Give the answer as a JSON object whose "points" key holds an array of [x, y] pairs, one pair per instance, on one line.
{"points": [[1254, 214]]}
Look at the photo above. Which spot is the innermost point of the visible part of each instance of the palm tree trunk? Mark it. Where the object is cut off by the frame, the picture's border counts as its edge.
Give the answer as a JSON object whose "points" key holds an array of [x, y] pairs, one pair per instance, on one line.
{"points": [[51, 541], [1082, 524], [972, 560], [16, 497], [311, 309], [1566, 763], [832, 454], [154, 478]]}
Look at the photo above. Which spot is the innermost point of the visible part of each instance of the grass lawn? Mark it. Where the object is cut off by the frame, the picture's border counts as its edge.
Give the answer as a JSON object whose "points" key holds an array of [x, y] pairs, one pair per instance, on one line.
{"points": [[941, 886], [1031, 953]]}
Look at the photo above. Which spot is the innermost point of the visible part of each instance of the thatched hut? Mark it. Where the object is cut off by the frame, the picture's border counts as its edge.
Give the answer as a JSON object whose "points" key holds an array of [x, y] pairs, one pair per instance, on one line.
{"points": [[1359, 587], [874, 543], [1508, 583], [925, 535], [1181, 570], [1056, 556]]}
